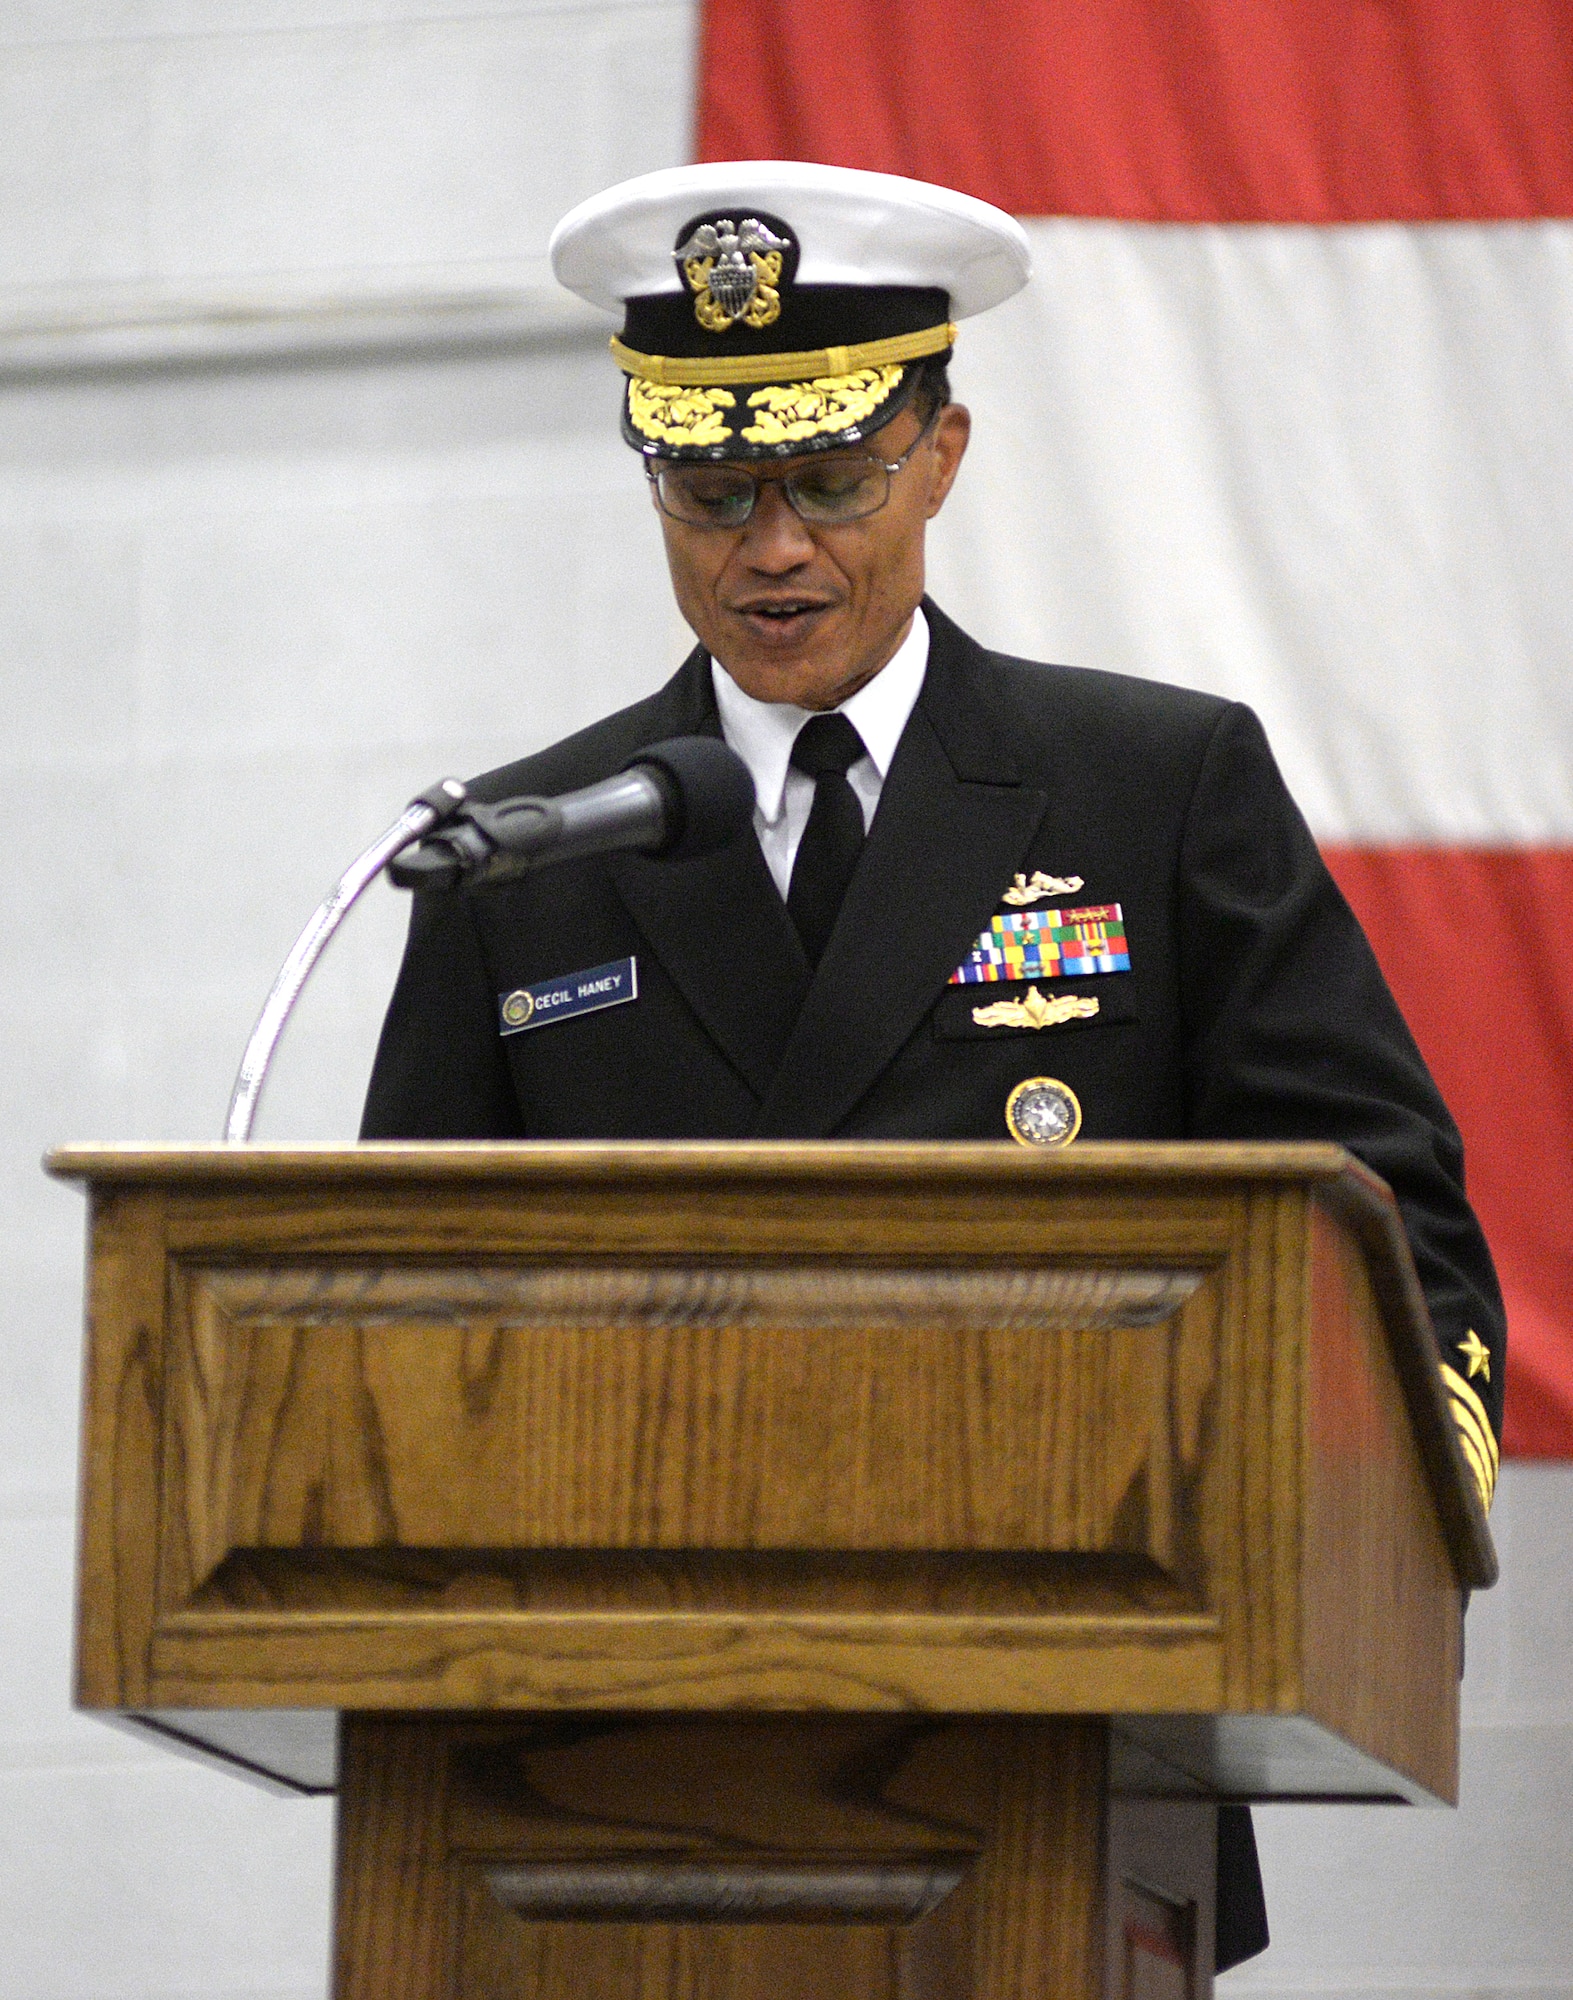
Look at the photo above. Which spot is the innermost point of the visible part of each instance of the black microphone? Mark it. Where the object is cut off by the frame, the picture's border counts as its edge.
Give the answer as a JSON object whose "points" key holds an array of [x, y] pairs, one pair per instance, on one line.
{"points": [[677, 799]]}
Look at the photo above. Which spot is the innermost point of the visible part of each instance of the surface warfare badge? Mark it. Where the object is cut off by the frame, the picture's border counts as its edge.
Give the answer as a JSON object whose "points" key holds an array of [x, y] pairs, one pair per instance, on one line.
{"points": [[574, 993], [1035, 1010]]}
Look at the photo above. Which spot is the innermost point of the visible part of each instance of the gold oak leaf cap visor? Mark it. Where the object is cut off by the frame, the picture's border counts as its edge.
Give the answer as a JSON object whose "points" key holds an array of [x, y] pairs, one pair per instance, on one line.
{"points": [[773, 308]]}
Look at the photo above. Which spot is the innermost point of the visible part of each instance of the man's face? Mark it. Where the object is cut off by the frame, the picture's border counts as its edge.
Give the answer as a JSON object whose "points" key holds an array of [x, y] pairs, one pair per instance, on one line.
{"points": [[800, 612]]}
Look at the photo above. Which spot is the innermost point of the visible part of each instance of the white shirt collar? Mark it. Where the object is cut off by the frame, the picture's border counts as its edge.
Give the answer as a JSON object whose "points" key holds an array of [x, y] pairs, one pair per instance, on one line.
{"points": [[763, 732]]}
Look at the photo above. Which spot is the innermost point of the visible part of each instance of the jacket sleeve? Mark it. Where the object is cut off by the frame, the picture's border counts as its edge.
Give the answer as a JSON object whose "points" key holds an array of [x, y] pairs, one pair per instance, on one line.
{"points": [[1292, 1033], [440, 1071]]}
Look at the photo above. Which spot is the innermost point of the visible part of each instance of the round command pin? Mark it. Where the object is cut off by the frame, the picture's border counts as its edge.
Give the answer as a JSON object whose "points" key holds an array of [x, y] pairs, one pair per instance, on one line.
{"points": [[517, 1009], [1042, 1111]]}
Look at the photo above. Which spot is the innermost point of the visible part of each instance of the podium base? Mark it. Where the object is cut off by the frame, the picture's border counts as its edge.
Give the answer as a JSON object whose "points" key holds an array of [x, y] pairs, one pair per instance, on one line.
{"points": [[760, 1858]]}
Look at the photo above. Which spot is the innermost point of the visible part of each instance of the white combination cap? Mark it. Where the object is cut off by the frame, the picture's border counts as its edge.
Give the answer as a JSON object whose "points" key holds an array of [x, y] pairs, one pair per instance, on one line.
{"points": [[854, 228], [772, 307]]}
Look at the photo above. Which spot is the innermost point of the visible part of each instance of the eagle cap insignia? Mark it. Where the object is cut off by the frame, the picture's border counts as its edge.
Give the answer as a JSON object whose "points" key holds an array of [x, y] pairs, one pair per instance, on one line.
{"points": [[736, 265]]}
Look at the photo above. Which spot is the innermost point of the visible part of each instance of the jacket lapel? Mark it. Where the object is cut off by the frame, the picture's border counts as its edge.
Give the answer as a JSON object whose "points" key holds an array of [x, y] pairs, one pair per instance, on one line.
{"points": [[716, 923], [954, 820]]}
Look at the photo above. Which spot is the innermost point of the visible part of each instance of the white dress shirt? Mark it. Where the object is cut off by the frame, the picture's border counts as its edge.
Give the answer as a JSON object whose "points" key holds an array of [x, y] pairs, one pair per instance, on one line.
{"points": [[763, 732]]}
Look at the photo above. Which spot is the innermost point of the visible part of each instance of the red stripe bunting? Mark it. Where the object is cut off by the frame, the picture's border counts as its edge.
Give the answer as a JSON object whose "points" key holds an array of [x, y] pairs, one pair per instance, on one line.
{"points": [[1478, 947], [1162, 110], [1299, 111]]}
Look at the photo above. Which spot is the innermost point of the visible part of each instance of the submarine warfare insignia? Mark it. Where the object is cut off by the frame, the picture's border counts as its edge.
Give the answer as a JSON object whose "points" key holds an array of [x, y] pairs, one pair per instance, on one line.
{"points": [[1021, 891], [1042, 1111], [736, 272], [1034, 1011]]}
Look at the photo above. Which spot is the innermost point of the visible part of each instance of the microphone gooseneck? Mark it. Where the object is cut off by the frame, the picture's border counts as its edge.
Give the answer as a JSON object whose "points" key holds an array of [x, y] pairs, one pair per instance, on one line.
{"points": [[677, 799], [436, 805]]}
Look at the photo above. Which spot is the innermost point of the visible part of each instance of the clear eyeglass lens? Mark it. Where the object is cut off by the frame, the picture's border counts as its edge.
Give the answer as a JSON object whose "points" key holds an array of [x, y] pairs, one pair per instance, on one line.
{"points": [[839, 490], [723, 497], [709, 496]]}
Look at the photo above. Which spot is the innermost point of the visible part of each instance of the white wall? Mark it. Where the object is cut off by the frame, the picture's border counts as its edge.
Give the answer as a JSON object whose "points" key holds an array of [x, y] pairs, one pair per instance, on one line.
{"points": [[1385, 1900], [246, 611], [244, 614]]}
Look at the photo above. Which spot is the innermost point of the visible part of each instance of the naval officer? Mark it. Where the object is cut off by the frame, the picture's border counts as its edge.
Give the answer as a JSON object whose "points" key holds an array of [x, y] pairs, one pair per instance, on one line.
{"points": [[982, 898]]}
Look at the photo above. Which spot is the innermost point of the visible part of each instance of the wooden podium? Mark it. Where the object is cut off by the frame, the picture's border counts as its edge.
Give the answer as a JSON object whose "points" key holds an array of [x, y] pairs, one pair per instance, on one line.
{"points": [[773, 1572]]}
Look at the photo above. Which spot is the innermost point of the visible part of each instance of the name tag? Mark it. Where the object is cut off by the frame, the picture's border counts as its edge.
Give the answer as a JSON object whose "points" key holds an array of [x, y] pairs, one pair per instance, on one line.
{"points": [[574, 993]]}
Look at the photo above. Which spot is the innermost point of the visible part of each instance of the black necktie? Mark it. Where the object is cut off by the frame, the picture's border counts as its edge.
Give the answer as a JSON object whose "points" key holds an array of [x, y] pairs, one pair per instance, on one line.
{"points": [[827, 747]]}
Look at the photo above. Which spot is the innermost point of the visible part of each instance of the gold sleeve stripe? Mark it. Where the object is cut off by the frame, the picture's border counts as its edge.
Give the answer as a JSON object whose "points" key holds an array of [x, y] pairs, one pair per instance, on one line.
{"points": [[1474, 1434], [1485, 1475], [1483, 1441], [1484, 1482], [806, 365], [1461, 1391], [1465, 1401]]}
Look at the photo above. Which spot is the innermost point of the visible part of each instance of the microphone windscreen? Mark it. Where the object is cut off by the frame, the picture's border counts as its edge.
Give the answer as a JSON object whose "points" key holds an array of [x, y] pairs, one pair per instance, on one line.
{"points": [[714, 793]]}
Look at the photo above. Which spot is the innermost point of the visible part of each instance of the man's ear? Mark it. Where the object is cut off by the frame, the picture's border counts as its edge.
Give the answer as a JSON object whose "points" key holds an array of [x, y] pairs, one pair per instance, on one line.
{"points": [[952, 430]]}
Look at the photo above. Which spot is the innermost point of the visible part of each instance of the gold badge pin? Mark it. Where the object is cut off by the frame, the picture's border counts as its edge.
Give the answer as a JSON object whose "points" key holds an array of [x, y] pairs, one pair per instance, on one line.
{"points": [[1477, 1354], [1022, 892], [517, 1009], [1042, 1111], [1036, 1011]]}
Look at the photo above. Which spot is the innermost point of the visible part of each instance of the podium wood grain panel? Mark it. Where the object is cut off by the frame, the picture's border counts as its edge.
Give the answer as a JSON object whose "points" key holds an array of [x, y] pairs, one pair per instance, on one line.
{"points": [[859, 1427], [123, 1398], [1395, 1599], [1006, 1818], [815, 1443], [756, 1573], [593, 1408]]}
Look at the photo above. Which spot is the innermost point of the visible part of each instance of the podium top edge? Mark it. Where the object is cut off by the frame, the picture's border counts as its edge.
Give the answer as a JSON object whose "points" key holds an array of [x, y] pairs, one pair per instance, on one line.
{"points": [[804, 1160]]}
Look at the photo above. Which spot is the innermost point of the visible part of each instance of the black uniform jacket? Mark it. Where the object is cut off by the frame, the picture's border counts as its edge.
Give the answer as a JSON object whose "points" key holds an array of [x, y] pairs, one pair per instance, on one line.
{"points": [[1253, 1007]]}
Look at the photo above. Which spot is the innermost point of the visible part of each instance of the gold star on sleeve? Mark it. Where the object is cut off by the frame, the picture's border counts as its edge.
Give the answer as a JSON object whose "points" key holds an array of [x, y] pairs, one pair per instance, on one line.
{"points": [[1477, 1354]]}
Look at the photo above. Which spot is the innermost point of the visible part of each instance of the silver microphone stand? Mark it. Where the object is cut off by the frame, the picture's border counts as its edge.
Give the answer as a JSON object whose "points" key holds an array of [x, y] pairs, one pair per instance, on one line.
{"points": [[418, 818]]}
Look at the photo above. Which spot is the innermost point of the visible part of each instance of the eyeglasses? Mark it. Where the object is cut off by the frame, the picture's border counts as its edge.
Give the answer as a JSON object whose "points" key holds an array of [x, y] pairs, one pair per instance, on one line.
{"points": [[825, 492]]}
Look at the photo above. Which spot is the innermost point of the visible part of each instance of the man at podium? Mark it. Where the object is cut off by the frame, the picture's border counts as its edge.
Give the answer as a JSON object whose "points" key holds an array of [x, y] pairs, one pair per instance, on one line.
{"points": [[982, 898]]}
